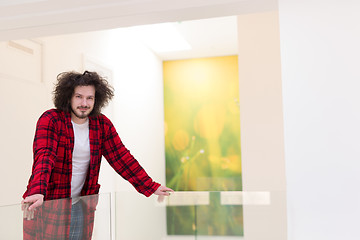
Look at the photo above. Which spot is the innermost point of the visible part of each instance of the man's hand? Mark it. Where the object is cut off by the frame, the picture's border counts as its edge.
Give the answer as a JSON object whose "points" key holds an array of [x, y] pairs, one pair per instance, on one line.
{"points": [[163, 191], [30, 203]]}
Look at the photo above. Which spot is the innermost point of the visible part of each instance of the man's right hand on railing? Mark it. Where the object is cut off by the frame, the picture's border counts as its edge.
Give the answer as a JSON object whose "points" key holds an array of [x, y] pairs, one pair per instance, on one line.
{"points": [[29, 205]]}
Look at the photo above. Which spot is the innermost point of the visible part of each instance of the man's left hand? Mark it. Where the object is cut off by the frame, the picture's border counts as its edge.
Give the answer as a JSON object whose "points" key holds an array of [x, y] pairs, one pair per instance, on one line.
{"points": [[163, 191]]}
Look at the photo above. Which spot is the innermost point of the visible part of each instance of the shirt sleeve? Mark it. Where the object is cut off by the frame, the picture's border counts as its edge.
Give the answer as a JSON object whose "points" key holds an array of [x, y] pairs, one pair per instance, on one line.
{"points": [[120, 158], [44, 148]]}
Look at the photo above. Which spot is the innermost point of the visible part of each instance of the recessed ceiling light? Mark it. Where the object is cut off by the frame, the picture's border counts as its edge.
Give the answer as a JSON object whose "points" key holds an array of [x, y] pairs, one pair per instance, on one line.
{"points": [[162, 37]]}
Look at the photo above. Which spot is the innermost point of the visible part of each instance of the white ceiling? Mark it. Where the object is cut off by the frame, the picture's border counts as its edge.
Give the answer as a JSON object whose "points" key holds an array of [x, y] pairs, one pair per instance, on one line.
{"points": [[207, 38], [215, 33]]}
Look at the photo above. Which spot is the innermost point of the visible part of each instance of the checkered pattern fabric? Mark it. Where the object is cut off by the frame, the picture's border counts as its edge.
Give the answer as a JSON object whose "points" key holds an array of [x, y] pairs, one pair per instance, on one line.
{"points": [[54, 220]]}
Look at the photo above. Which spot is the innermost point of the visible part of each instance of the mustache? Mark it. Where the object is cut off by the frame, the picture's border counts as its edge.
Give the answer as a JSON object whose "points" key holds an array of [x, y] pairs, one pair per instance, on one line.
{"points": [[83, 107]]}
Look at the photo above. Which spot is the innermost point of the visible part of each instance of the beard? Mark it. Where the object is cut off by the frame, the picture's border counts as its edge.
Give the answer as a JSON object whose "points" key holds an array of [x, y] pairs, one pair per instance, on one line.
{"points": [[80, 114]]}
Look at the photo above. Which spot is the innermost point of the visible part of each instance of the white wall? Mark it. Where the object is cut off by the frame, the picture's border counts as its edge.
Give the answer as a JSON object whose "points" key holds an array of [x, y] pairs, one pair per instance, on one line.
{"points": [[320, 66], [261, 118], [140, 123], [22, 100]]}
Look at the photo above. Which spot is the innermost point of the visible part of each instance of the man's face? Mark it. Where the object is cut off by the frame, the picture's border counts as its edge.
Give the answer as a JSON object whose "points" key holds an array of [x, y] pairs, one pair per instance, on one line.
{"points": [[82, 103]]}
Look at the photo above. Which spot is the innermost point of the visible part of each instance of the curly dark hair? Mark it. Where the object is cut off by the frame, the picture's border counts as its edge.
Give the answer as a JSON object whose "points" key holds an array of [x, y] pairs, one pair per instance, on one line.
{"points": [[66, 83]]}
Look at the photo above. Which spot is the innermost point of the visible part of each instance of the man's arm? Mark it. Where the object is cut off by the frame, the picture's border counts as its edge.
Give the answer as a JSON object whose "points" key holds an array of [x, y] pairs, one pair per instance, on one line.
{"points": [[44, 147], [120, 158]]}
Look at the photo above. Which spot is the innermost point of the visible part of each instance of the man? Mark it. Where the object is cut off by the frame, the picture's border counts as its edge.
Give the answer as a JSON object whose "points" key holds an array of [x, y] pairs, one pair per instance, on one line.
{"points": [[68, 146]]}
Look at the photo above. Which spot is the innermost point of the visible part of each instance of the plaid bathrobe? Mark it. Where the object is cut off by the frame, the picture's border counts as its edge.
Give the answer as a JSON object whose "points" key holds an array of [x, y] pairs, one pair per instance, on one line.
{"points": [[52, 167]]}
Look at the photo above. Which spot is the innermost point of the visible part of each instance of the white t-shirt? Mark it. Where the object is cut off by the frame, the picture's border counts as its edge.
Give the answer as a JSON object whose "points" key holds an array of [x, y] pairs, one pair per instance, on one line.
{"points": [[80, 157]]}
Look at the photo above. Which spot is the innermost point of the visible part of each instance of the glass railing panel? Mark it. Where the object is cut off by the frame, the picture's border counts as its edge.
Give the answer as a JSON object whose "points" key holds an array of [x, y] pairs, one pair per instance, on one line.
{"points": [[138, 217], [202, 215], [11, 222], [102, 221], [224, 216], [56, 219]]}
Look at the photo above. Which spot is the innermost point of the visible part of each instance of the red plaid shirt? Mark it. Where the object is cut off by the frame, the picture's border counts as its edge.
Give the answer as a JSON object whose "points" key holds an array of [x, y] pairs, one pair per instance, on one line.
{"points": [[53, 146]]}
